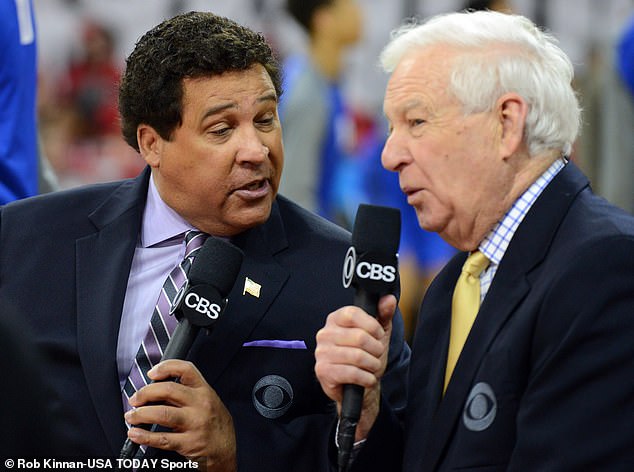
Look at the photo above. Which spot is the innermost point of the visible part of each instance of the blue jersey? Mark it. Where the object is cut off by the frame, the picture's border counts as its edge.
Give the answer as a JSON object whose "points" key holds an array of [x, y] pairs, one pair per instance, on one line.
{"points": [[18, 85]]}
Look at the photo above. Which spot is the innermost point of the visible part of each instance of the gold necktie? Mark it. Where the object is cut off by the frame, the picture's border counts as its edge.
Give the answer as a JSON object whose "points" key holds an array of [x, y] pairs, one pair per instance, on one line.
{"points": [[464, 307]]}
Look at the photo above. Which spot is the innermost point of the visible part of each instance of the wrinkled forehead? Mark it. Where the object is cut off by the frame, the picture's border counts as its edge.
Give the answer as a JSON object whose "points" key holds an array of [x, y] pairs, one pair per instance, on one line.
{"points": [[419, 74]]}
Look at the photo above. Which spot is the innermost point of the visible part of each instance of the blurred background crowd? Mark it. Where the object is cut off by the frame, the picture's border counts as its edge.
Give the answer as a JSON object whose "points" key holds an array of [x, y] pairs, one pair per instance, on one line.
{"points": [[331, 108]]}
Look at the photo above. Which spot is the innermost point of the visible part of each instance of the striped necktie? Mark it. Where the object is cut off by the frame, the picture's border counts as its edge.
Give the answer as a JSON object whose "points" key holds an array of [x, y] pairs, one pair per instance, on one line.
{"points": [[162, 325], [464, 307]]}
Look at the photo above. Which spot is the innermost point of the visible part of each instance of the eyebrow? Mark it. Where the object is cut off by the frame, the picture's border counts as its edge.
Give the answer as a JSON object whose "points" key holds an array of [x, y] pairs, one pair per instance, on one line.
{"points": [[410, 105], [414, 103], [268, 97], [220, 108]]}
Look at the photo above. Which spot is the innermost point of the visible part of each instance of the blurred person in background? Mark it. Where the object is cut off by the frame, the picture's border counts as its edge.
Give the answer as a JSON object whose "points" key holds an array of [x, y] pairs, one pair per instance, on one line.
{"points": [[319, 129], [89, 86], [79, 113]]}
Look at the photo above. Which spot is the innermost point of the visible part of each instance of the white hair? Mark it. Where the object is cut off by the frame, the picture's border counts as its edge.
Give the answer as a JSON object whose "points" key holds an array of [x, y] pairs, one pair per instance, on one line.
{"points": [[501, 53]]}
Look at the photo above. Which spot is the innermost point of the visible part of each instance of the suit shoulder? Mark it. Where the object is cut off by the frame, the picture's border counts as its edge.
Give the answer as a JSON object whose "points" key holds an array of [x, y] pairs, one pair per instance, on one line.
{"points": [[301, 223], [592, 221], [62, 198]]}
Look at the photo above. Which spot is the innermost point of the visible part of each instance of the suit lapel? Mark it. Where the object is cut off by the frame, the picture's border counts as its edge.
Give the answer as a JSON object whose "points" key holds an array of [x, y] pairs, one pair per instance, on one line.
{"points": [[244, 310], [103, 264], [510, 285], [494, 312]]}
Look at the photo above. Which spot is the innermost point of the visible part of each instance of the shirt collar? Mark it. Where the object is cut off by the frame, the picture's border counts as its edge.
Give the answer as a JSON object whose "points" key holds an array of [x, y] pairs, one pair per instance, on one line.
{"points": [[494, 245], [160, 222]]}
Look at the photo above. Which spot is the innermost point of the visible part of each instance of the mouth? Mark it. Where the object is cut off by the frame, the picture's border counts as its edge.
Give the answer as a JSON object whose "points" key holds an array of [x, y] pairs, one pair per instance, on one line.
{"points": [[407, 190], [254, 189], [411, 192]]}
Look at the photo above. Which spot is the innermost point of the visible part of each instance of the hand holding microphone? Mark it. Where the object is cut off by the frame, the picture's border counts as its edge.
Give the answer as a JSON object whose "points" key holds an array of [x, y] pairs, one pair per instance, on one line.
{"points": [[352, 347], [184, 406]]}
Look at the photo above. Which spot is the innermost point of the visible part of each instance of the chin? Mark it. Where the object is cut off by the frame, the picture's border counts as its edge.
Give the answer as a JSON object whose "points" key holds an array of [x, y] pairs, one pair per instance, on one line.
{"points": [[252, 217], [431, 226], [422, 222]]}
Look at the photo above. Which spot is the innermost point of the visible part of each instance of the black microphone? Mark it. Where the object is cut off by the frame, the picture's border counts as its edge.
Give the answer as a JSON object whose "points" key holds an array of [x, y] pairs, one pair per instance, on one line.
{"points": [[198, 304], [370, 266]]}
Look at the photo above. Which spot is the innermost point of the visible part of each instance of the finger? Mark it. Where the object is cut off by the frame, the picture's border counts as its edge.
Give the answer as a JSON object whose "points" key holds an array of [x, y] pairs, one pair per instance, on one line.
{"points": [[185, 371], [387, 308], [159, 439], [354, 317], [329, 340], [164, 415], [161, 392], [350, 356]]}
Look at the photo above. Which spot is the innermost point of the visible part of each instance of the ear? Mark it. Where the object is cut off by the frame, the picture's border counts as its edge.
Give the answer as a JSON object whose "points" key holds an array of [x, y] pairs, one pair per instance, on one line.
{"points": [[512, 110], [150, 144]]}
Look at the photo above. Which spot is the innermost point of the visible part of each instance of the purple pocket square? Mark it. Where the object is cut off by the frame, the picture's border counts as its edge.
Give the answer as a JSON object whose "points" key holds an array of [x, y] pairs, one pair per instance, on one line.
{"points": [[281, 344]]}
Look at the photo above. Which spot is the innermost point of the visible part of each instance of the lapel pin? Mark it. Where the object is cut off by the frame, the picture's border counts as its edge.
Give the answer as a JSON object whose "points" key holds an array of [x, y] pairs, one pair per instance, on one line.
{"points": [[251, 287]]}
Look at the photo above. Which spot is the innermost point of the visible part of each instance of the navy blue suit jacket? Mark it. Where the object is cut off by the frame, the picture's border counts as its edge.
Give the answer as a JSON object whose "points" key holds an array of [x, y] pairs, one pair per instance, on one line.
{"points": [[64, 264], [545, 381]]}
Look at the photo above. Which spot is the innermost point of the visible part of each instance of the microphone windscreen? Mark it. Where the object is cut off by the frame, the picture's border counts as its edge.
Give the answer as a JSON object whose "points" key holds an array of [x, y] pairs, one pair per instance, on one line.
{"points": [[376, 229], [217, 263]]}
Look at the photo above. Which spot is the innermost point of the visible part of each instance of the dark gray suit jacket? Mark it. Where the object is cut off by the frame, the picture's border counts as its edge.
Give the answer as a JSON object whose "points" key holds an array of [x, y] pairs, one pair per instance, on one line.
{"points": [[64, 264]]}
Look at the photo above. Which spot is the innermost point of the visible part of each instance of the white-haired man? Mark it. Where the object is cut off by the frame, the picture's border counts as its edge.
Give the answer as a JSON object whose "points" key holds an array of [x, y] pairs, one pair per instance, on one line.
{"points": [[539, 377]]}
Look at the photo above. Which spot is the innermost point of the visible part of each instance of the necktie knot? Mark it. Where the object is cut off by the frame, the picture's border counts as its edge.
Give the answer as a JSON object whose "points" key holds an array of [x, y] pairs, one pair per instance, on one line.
{"points": [[475, 264], [193, 240]]}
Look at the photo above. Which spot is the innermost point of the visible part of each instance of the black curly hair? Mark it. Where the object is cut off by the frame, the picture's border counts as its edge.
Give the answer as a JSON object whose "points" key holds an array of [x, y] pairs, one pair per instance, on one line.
{"points": [[191, 45]]}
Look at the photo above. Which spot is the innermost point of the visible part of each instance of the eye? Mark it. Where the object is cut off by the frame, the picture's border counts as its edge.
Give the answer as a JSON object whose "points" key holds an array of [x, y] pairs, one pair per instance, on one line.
{"points": [[219, 130], [266, 121], [416, 122]]}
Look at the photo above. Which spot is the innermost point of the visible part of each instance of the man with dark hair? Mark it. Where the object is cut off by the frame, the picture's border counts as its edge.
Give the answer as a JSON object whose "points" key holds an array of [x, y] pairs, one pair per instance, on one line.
{"points": [[84, 267]]}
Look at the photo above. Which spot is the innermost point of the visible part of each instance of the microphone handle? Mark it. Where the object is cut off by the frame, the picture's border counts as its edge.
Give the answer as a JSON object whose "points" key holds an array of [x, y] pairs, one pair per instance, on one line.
{"points": [[353, 394], [367, 301], [177, 348], [181, 341]]}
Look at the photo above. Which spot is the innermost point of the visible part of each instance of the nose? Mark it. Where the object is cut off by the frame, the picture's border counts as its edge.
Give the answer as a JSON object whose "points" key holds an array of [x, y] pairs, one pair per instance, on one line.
{"points": [[395, 153], [252, 149]]}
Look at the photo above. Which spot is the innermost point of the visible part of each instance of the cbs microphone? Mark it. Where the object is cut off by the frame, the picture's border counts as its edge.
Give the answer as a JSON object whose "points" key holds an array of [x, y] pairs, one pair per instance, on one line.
{"points": [[199, 304], [371, 268]]}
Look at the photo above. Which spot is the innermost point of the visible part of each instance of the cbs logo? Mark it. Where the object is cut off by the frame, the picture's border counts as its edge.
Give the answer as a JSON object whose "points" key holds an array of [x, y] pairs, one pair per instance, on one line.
{"points": [[365, 270], [202, 305]]}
